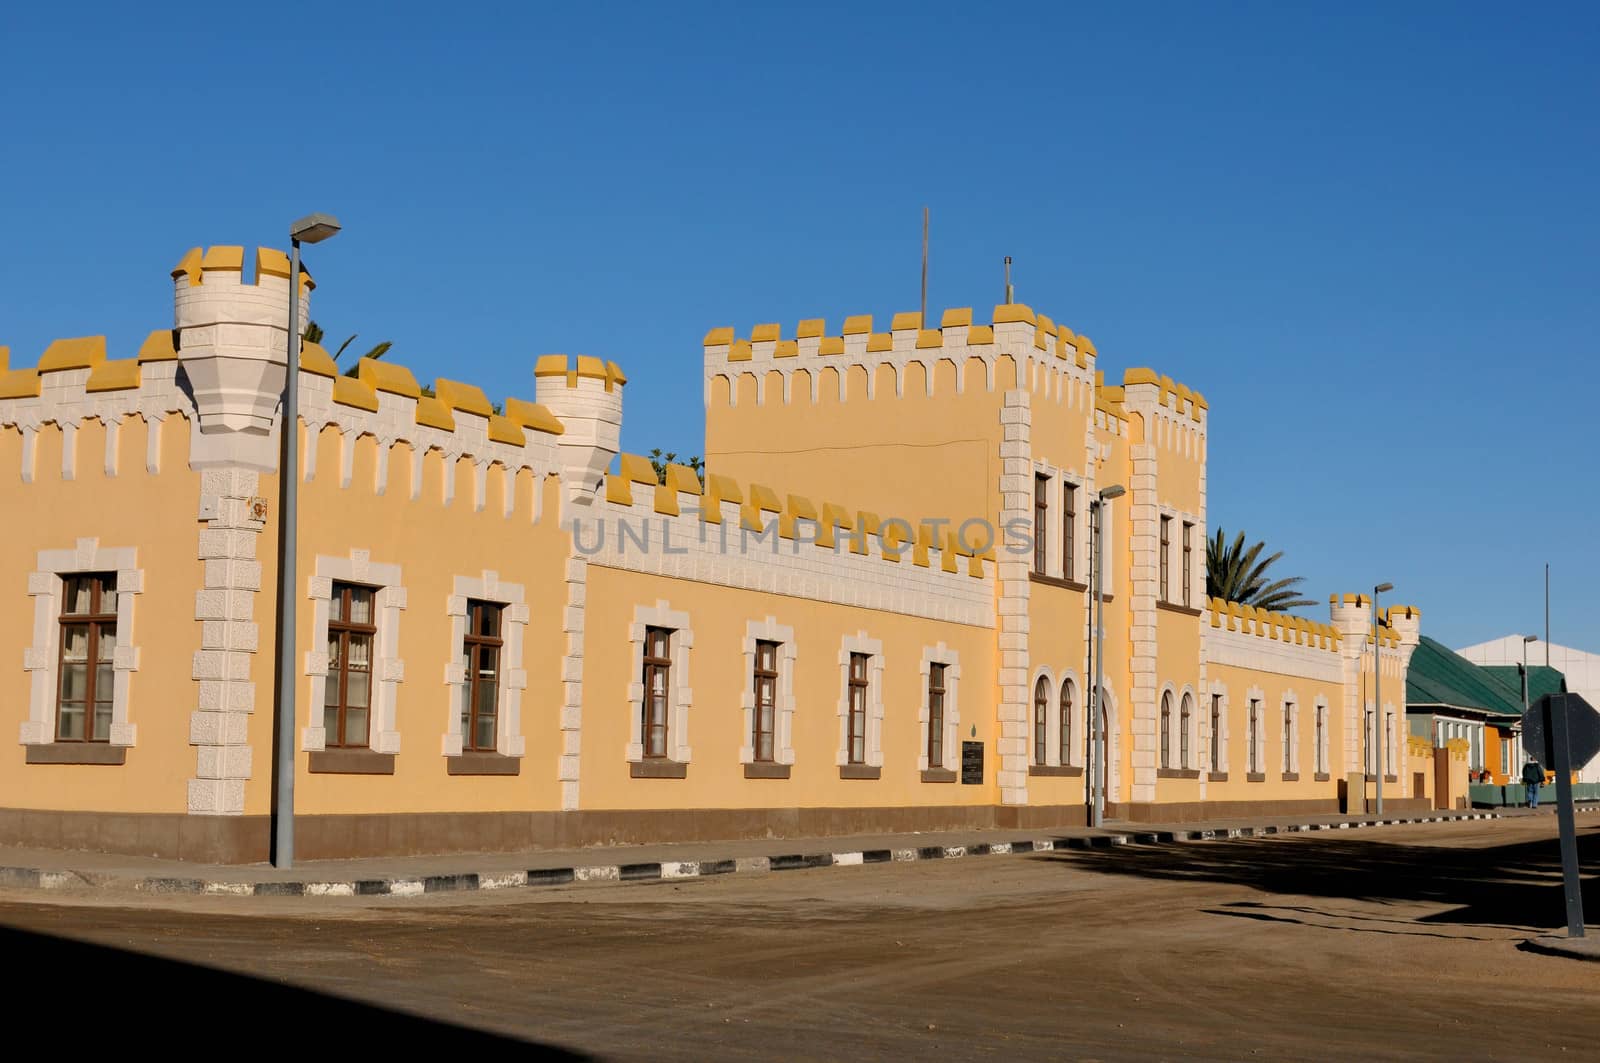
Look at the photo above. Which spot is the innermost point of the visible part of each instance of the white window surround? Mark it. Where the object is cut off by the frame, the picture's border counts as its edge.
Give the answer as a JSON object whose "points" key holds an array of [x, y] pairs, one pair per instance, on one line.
{"points": [[1052, 537], [46, 588], [680, 695], [1255, 703], [1168, 698], [1052, 717], [1080, 719], [509, 740], [1291, 719], [1218, 690], [1113, 741], [388, 670], [932, 655], [1186, 695], [1320, 708], [873, 648], [768, 630], [1080, 551]]}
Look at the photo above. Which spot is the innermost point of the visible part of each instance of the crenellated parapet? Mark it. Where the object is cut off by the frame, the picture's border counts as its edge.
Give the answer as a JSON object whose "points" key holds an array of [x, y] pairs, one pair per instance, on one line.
{"points": [[815, 366], [750, 535], [1263, 623], [1174, 415]]}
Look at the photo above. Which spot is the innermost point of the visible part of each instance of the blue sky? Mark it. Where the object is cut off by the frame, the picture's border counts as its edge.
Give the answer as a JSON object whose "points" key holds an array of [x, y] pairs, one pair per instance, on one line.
{"points": [[1366, 232]]}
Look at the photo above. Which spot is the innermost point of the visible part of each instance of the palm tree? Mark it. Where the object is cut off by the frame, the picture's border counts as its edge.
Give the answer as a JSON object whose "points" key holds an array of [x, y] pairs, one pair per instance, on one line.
{"points": [[1235, 574], [660, 462], [313, 334]]}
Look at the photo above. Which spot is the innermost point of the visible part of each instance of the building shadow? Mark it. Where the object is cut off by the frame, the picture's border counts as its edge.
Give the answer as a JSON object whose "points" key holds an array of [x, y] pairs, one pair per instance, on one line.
{"points": [[1515, 886], [93, 996]]}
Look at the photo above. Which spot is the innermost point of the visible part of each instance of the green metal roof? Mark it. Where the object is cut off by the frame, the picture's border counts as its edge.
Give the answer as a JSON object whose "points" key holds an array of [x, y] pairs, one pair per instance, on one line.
{"points": [[1542, 680], [1440, 676]]}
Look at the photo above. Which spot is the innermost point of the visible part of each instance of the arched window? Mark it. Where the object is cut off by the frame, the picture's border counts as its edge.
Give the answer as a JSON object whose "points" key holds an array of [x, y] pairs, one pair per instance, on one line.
{"points": [[1185, 721], [1066, 722], [1041, 719], [1166, 729]]}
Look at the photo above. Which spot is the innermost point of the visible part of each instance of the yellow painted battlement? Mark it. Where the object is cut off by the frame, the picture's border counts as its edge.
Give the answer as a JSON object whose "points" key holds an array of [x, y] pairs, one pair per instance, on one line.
{"points": [[812, 339], [760, 506], [224, 264], [583, 367], [1180, 399], [84, 352], [1284, 627]]}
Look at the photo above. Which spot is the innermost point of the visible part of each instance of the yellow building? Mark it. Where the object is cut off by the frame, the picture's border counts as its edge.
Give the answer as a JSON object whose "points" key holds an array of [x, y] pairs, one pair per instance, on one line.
{"points": [[871, 616]]}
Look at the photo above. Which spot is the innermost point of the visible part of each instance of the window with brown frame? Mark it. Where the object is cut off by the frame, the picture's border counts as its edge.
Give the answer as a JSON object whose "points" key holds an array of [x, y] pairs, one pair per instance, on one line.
{"points": [[1041, 518], [1188, 562], [481, 647], [1253, 747], [1288, 737], [857, 751], [347, 694], [1166, 558], [1166, 729], [935, 715], [1066, 723], [1320, 760], [657, 682], [1216, 732], [86, 680], [766, 710], [1185, 721], [1069, 533], [1041, 719]]}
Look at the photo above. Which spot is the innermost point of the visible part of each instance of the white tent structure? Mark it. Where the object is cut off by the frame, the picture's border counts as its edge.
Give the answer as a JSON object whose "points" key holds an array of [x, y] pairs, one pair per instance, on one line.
{"points": [[1581, 669]]}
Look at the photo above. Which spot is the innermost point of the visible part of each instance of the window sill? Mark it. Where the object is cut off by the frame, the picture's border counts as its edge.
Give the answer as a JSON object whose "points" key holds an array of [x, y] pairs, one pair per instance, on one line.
{"points": [[1320, 776], [1291, 776], [1057, 581], [764, 769], [1066, 771], [351, 762], [483, 764], [1391, 778], [938, 775], [77, 753], [1179, 773], [1217, 776], [860, 771], [657, 768], [1255, 776], [1174, 607]]}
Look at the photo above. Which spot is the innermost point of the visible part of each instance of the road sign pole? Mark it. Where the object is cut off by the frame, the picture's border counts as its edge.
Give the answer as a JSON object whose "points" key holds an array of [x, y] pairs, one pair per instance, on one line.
{"points": [[1556, 728]]}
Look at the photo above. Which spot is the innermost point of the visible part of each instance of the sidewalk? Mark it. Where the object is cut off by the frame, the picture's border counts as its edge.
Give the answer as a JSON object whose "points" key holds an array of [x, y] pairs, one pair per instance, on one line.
{"points": [[408, 876]]}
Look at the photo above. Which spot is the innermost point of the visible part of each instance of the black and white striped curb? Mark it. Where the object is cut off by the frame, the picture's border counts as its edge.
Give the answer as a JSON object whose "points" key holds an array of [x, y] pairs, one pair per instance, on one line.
{"points": [[36, 878]]}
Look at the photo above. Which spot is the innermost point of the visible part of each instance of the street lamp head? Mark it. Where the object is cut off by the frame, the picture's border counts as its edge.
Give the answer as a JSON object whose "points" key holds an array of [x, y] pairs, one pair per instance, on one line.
{"points": [[1529, 638], [1114, 491], [1383, 588], [314, 228]]}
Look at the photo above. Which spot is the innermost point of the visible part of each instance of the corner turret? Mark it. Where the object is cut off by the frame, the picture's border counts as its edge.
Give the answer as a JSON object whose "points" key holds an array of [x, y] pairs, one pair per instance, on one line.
{"points": [[585, 395]]}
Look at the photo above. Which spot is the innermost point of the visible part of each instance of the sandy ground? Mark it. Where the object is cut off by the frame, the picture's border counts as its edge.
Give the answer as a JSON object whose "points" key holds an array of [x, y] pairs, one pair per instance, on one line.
{"points": [[1400, 943]]}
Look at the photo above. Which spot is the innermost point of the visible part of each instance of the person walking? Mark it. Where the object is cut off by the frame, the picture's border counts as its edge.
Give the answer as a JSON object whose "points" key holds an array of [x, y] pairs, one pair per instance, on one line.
{"points": [[1532, 779]]}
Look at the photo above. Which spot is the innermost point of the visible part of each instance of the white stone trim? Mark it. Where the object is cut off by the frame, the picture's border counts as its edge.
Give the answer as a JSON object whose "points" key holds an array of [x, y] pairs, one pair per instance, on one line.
{"points": [[932, 655], [1113, 743], [873, 648], [509, 739], [41, 658], [768, 630], [572, 624], [1255, 707], [1188, 729], [388, 670], [1291, 721], [1052, 717], [1319, 758], [681, 695], [1220, 690]]}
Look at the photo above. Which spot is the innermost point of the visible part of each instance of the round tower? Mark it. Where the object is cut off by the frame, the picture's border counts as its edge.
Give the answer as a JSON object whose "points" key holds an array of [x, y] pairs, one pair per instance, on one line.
{"points": [[232, 337], [586, 396]]}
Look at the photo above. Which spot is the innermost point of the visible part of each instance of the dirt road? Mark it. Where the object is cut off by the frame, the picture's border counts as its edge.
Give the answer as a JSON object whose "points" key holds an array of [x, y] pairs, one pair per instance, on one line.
{"points": [[1399, 943]]}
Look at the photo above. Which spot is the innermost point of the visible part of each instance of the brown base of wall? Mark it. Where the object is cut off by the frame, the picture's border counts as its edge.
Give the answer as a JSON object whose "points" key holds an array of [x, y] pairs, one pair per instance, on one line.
{"points": [[244, 839]]}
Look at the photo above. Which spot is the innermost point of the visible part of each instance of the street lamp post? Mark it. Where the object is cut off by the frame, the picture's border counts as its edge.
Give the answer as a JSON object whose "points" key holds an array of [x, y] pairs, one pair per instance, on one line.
{"points": [[312, 229], [1525, 640], [1380, 722], [1097, 774]]}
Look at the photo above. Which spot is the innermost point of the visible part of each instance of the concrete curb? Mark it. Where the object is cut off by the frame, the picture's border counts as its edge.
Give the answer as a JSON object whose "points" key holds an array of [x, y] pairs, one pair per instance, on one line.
{"points": [[1584, 948], [36, 878]]}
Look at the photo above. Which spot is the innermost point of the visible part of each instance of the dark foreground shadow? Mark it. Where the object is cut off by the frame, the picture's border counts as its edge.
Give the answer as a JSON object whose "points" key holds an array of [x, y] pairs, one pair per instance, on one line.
{"points": [[1508, 886], [93, 996]]}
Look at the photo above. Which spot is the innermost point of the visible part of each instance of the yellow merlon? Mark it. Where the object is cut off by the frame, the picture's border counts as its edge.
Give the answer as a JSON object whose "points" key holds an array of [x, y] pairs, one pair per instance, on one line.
{"points": [[80, 353]]}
